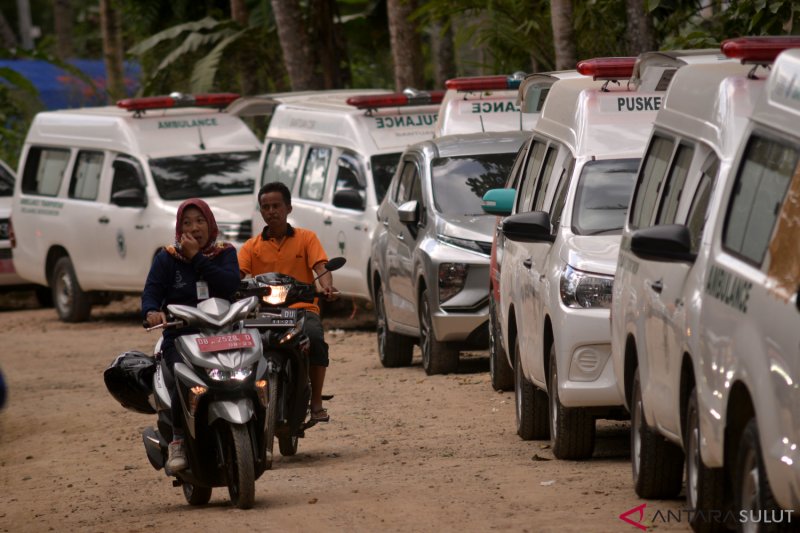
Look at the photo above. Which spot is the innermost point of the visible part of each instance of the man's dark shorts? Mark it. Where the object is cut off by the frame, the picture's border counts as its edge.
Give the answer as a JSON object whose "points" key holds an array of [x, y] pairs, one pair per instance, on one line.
{"points": [[319, 348]]}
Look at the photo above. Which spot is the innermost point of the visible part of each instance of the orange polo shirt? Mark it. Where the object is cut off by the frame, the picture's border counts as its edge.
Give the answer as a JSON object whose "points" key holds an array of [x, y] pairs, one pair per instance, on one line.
{"points": [[295, 255]]}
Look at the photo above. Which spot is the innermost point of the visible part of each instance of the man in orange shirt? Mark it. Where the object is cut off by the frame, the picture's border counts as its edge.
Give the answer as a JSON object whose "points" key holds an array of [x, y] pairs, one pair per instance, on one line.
{"points": [[298, 253]]}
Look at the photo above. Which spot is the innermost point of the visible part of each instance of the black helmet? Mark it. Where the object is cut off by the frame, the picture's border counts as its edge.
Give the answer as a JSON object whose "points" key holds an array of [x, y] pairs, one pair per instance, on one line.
{"points": [[129, 379]]}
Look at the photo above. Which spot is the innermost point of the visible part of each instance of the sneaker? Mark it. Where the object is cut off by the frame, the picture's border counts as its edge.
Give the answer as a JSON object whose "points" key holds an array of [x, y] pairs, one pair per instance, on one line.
{"points": [[177, 457]]}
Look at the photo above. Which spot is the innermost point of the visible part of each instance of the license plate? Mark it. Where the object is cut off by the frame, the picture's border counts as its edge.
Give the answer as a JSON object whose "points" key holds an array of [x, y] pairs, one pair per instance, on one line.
{"points": [[218, 343]]}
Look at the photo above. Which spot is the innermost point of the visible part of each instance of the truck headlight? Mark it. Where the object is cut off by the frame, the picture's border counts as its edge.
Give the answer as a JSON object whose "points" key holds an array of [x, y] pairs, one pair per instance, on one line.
{"points": [[581, 290], [452, 277]]}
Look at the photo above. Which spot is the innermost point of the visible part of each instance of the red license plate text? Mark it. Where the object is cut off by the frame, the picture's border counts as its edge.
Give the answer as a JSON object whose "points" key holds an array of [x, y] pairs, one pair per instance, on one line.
{"points": [[218, 343]]}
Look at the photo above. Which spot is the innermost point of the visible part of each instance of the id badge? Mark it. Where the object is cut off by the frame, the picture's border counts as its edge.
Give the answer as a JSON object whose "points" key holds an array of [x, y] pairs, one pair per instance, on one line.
{"points": [[202, 290]]}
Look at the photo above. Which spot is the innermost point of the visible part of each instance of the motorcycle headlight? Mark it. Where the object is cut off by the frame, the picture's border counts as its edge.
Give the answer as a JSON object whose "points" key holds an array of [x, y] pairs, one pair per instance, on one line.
{"points": [[581, 290], [292, 333], [277, 294], [240, 374]]}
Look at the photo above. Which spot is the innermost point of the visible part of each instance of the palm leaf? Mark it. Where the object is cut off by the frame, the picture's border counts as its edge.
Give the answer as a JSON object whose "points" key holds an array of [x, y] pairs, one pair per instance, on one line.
{"points": [[15, 78], [192, 43], [208, 23], [205, 70]]}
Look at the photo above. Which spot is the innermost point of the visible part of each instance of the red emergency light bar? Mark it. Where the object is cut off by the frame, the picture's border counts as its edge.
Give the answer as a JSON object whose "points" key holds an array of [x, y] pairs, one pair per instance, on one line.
{"points": [[484, 83], [760, 50], [374, 101], [607, 68], [219, 100]]}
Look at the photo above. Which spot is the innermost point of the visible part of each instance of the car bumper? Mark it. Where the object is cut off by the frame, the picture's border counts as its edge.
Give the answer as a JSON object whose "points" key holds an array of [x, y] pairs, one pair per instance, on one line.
{"points": [[585, 366], [458, 327]]}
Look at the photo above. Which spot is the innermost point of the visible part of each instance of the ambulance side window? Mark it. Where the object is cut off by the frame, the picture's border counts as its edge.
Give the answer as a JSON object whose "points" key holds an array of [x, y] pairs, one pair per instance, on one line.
{"points": [[544, 179], [758, 194], [651, 175], [127, 176], [282, 163], [313, 184], [525, 195], [698, 212], [44, 170], [673, 186], [561, 192], [86, 175]]}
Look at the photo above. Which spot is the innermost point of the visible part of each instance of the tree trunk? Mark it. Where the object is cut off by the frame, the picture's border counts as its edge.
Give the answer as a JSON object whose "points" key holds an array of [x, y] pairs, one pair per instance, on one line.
{"points": [[239, 12], [406, 45], [640, 28], [332, 50], [444, 58], [247, 62], [25, 28], [62, 12], [563, 41], [294, 43], [112, 50], [7, 37]]}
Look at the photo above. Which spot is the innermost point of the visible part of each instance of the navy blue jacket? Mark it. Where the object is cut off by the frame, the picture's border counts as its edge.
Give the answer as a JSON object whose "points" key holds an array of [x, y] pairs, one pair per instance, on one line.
{"points": [[171, 281]]}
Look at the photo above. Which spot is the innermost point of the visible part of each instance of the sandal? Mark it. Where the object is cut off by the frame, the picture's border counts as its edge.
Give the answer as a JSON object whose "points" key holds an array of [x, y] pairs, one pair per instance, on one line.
{"points": [[320, 415]]}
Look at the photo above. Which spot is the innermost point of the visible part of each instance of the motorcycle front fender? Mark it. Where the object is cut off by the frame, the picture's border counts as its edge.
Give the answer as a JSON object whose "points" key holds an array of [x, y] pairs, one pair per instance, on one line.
{"points": [[235, 412]]}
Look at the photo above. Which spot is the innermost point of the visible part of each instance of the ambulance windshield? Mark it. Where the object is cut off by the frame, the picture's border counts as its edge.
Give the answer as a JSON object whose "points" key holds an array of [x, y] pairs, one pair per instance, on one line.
{"points": [[459, 183], [383, 167], [601, 201], [205, 175]]}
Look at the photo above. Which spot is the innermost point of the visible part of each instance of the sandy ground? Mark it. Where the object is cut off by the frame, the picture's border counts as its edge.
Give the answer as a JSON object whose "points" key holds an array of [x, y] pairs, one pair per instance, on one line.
{"points": [[403, 452]]}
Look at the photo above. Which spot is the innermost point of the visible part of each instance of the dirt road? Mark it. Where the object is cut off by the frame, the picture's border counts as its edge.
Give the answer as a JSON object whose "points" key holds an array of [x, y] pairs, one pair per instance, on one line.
{"points": [[403, 452]]}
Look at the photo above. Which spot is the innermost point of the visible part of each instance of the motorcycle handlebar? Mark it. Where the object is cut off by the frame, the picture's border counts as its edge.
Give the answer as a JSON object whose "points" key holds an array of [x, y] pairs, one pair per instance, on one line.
{"points": [[176, 323]]}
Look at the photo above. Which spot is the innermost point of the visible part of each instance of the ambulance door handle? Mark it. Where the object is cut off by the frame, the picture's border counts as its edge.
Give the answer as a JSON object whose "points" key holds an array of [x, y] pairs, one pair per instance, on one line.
{"points": [[385, 222], [528, 263], [401, 237], [327, 221], [657, 286], [103, 220], [139, 226]]}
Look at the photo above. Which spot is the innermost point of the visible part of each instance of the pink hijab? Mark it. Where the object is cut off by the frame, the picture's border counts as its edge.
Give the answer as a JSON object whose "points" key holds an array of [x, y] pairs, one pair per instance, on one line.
{"points": [[212, 248]]}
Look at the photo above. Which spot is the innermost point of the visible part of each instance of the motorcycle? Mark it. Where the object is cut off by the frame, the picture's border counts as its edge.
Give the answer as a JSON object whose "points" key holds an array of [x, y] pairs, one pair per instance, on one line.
{"points": [[222, 387], [286, 351]]}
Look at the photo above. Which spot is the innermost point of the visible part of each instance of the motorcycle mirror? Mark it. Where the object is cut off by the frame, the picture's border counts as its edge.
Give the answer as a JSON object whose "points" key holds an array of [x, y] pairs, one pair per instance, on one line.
{"points": [[335, 264]]}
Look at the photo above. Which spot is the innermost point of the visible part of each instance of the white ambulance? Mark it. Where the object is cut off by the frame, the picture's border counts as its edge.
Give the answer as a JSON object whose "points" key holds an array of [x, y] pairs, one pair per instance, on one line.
{"points": [[481, 104], [337, 152], [561, 250], [705, 324], [98, 190]]}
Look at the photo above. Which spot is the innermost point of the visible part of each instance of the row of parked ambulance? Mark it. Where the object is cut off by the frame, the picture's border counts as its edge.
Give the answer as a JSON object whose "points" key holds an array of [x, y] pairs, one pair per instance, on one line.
{"points": [[648, 265]]}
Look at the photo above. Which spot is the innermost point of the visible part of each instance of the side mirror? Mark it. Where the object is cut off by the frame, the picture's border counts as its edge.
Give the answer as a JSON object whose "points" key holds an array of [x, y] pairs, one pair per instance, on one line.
{"points": [[499, 201], [129, 198], [407, 213], [348, 199], [528, 227], [335, 264], [665, 242]]}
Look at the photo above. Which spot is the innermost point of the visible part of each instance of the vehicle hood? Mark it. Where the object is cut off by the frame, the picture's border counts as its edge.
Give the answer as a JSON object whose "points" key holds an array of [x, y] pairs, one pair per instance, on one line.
{"points": [[472, 227], [592, 253]]}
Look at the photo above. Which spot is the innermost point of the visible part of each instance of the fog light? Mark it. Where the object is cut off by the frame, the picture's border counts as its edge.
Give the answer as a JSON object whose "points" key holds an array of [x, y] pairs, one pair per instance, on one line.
{"points": [[588, 362], [452, 277]]}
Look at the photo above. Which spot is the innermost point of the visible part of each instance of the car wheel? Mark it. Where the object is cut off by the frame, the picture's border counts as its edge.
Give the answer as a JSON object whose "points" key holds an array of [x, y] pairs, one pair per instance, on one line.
{"points": [[437, 357], [393, 349], [752, 493], [531, 404], [704, 486], [71, 302], [572, 430], [500, 372], [657, 463]]}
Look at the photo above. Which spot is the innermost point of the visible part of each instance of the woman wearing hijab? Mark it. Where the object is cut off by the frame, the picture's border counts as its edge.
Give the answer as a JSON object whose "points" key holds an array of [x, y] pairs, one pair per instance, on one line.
{"points": [[194, 268]]}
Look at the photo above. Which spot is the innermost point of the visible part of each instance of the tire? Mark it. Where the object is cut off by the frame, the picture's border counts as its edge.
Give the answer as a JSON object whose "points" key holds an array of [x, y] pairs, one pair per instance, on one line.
{"points": [[531, 404], [704, 486], [44, 296], [437, 357], [657, 463], [239, 467], [196, 495], [394, 349], [500, 372], [288, 445], [70, 301], [572, 430], [272, 419], [750, 484]]}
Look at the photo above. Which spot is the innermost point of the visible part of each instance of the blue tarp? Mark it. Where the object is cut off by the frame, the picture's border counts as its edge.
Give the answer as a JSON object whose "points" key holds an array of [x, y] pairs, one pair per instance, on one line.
{"points": [[58, 89]]}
